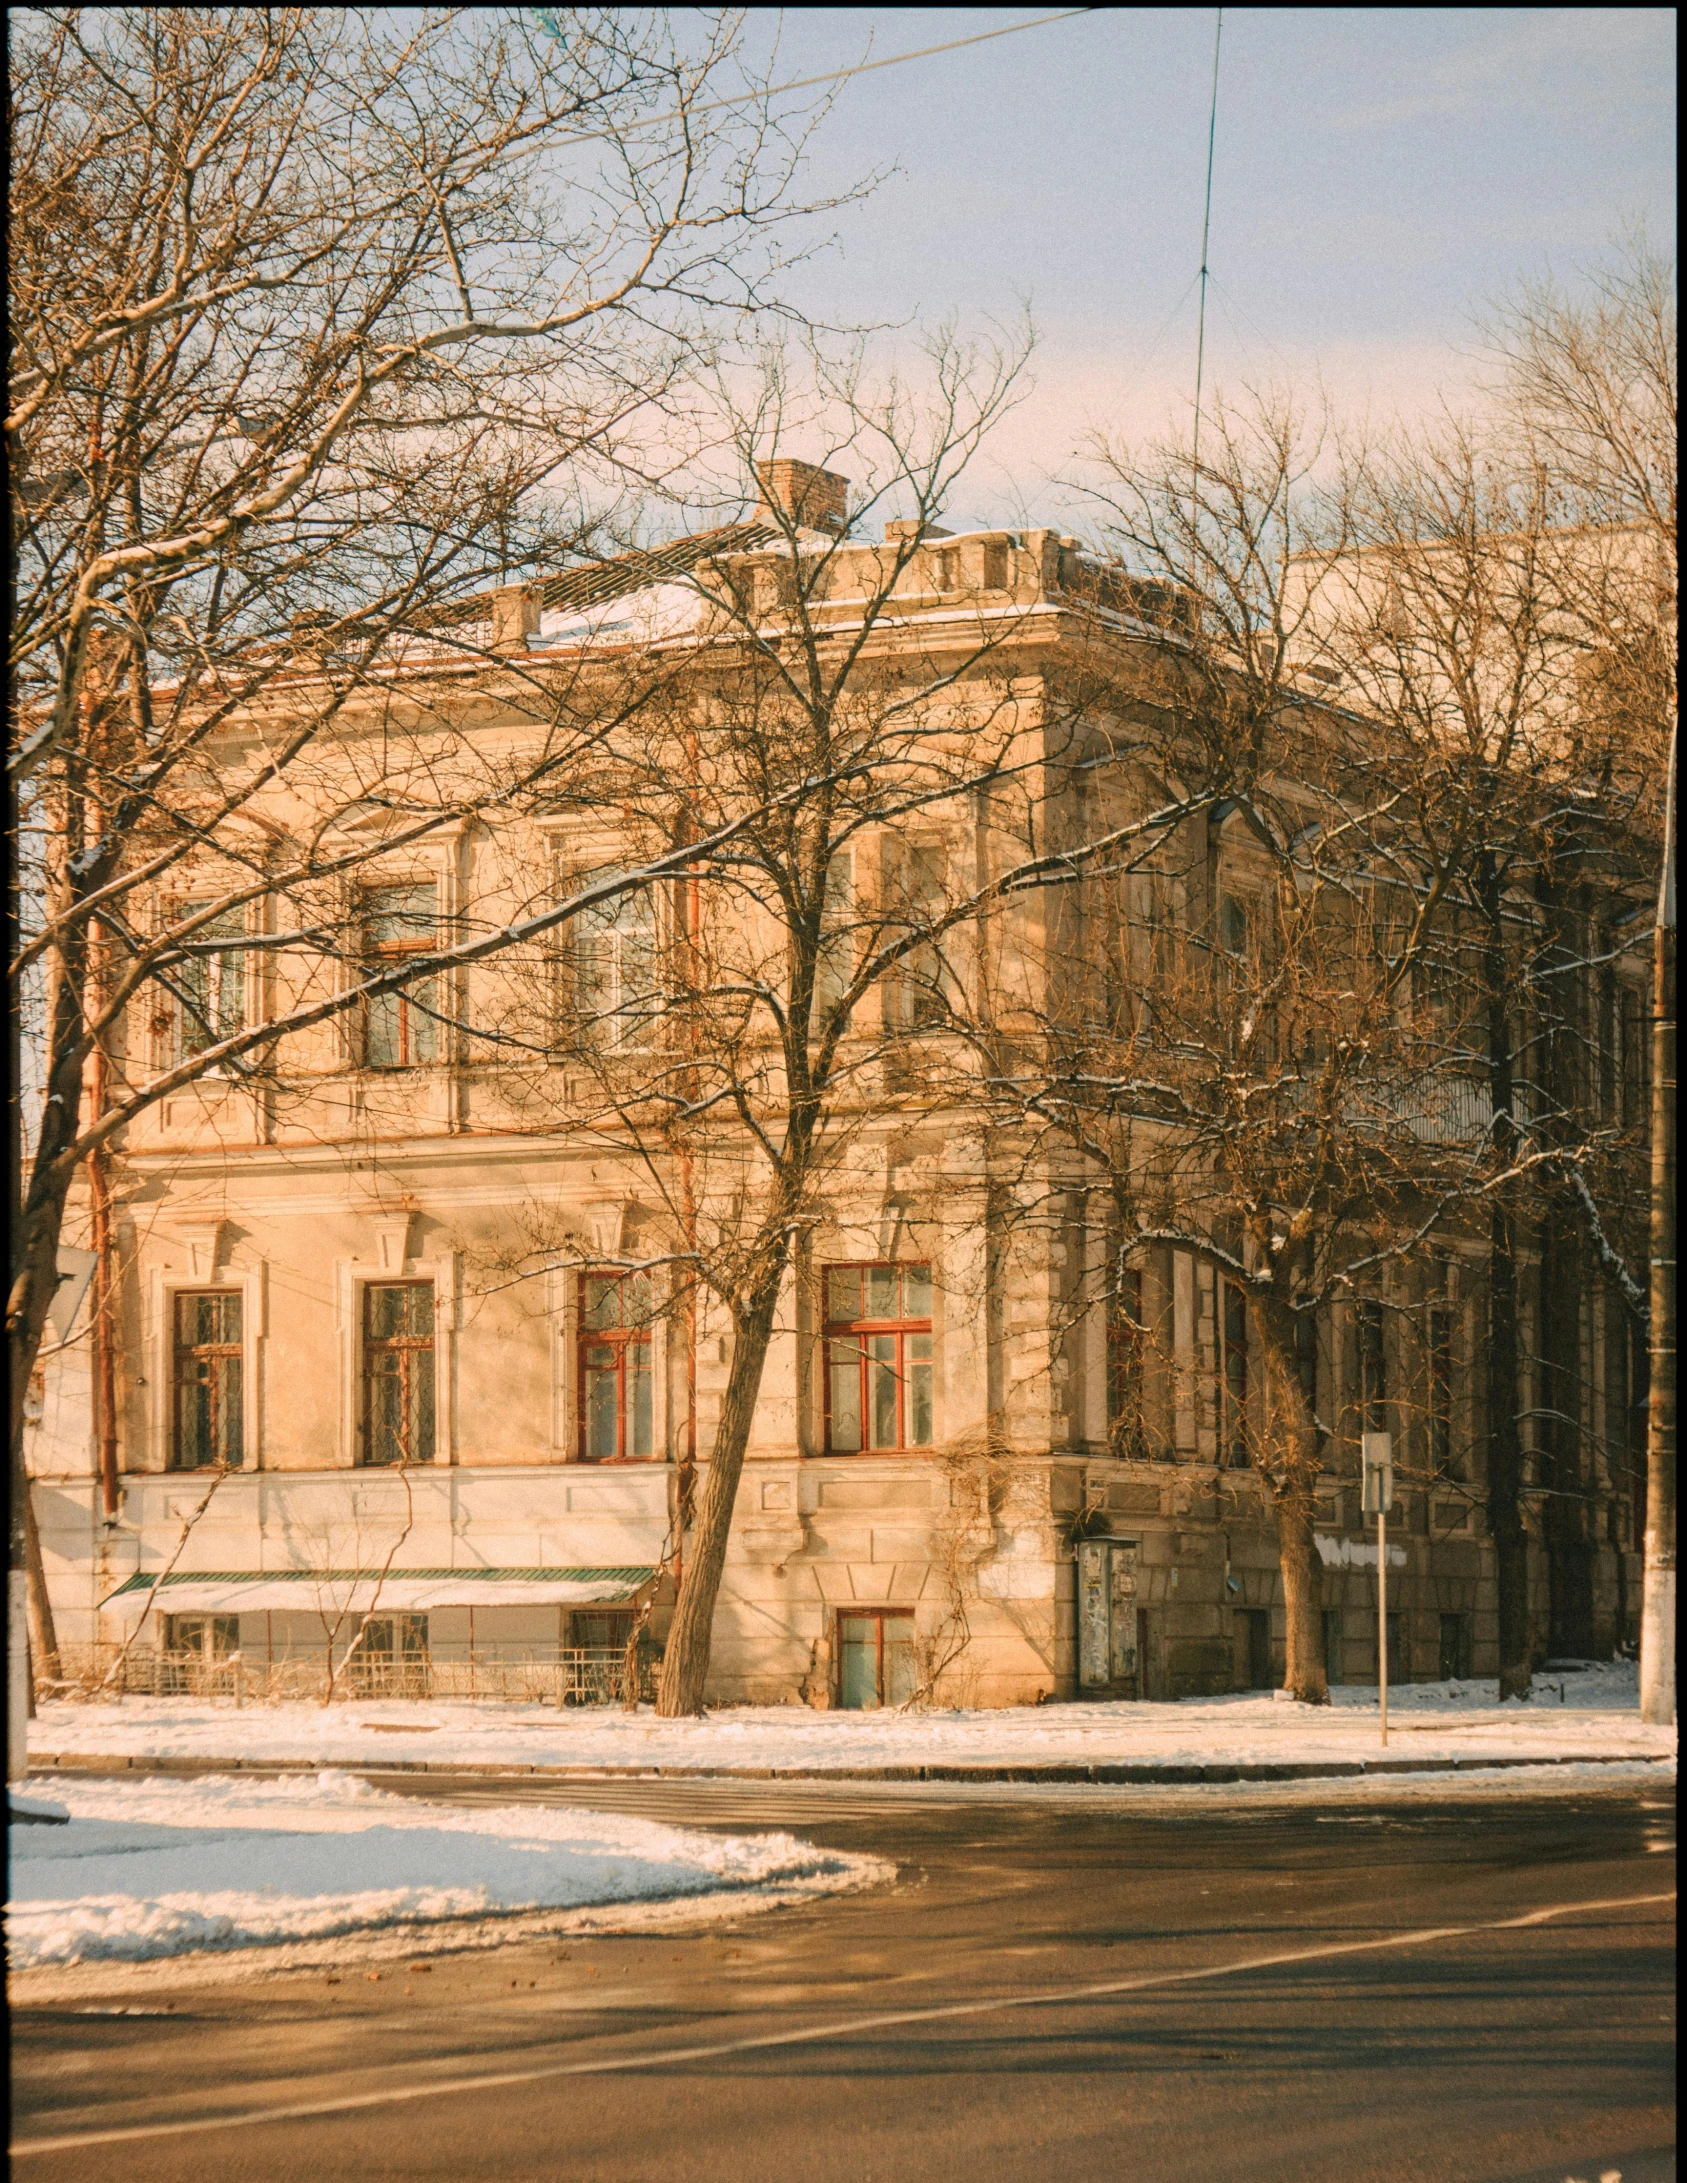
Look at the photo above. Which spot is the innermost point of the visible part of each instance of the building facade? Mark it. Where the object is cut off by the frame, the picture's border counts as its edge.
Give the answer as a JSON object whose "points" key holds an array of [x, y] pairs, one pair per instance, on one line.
{"points": [[405, 1388]]}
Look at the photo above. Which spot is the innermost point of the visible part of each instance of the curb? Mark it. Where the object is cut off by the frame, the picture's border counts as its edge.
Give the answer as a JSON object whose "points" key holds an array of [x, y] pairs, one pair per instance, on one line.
{"points": [[1054, 1773]]}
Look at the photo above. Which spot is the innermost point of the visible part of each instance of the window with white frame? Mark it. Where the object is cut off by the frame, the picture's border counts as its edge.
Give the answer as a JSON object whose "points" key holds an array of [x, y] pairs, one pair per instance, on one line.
{"points": [[210, 985], [616, 995]]}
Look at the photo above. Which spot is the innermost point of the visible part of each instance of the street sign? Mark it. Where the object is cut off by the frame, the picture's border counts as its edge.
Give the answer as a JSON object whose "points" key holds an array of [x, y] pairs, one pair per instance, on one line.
{"points": [[1377, 1453]]}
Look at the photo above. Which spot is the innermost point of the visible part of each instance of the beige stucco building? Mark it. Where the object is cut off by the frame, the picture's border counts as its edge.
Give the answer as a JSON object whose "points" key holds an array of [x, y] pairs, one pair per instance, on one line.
{"points": [[308, 1282]]}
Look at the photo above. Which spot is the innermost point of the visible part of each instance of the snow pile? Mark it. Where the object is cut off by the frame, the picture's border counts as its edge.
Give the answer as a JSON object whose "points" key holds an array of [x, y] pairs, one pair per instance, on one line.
{"points": [[147, 1869], [1596, 1717]]}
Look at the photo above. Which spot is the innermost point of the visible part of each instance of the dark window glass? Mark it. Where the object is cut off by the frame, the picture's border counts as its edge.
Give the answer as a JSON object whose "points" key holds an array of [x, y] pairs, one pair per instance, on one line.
{"points": [[914, 900], [878, 1358], [398, 1372], [1124, 1360], [1373, 1365], [1235, 1376], [208, 1365], [1444, 1462], [616, 1382]]}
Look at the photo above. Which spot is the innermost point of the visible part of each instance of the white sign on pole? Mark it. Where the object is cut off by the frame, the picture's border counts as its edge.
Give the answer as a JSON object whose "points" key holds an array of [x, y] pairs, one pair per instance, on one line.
{"points": [[1377, 1454], [1377, 1458]]}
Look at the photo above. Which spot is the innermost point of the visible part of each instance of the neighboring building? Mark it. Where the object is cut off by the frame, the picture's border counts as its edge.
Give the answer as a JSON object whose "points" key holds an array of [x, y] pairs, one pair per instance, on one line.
{"points": [[962, 1456]]}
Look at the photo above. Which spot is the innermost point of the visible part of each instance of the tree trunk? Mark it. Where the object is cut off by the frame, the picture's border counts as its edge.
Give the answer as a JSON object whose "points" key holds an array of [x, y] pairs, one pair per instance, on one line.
{"points": [[1303, 1666], [1291, 1456], [1567, 1519], [685, 1663], [1505, 1461], [1657, 1612], [1505, 1448]]}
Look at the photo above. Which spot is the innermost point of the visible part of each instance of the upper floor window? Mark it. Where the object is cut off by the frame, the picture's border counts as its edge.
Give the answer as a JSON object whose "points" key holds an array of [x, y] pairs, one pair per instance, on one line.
{"points": [[398, 1372], [211, 983], [400, 1027], [1634, 1056], [1442, 1460], [836, 965], [1124, 1361], [914, 901], [615, 968], [616, 1377], [1235, 1376], [878, 1358], [207, 1372], [1373, 1365]]}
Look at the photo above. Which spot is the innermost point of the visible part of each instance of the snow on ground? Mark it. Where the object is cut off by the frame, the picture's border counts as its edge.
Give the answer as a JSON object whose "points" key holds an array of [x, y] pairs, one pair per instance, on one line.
{"points": [[1591, 1714], [150, 1868]]}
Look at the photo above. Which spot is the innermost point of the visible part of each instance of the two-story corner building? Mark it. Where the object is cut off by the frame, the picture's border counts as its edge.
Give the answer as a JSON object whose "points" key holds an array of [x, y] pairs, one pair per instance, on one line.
{"points": [[398, 1332]]}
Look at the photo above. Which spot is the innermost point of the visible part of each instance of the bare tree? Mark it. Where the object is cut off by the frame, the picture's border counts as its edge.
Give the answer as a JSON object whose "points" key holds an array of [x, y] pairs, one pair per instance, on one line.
{"points": [[321, 321], [1589, 384], [1462, 624], [1255, 1048], [751, 1034]]}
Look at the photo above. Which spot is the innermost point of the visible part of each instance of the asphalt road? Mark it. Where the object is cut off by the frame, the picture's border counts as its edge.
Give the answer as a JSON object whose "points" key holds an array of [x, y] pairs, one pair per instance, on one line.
{"points": [[948, 2027]]}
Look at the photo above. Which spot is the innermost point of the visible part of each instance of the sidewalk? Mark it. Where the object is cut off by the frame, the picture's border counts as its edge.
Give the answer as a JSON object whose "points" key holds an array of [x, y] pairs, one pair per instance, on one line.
{"points": [[1585, 1719]]}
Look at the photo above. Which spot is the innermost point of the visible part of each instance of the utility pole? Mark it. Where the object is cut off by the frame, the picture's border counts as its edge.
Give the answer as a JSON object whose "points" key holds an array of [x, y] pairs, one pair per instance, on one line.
{"points": [[1657, 1613], [1206, 228]]}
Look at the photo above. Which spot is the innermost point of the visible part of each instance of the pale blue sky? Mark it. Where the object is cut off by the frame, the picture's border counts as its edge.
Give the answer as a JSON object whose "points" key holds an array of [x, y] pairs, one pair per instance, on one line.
{"points": [[1379, 173]]}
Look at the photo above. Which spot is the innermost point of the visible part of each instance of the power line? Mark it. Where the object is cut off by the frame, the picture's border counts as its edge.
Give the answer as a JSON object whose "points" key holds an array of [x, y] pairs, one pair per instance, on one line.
{"points": [[547, 21], [1206, 224]]}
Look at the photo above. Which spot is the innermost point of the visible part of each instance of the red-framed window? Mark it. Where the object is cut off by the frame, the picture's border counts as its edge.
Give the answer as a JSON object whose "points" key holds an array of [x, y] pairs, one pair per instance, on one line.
{"points": [[398, 1372], [401, 1028], [878, 1358], [208, 1362], [615, 1368], [877, 1659]]}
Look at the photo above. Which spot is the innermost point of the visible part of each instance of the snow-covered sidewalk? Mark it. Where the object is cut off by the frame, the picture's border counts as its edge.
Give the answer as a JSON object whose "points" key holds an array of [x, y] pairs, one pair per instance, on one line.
{"points": [[1589, 1715], [147, 1869]]}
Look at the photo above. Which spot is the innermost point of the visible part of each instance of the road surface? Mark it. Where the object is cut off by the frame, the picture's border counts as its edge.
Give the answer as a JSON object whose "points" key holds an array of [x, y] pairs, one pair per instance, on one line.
{"points": [[1450, 2010]]}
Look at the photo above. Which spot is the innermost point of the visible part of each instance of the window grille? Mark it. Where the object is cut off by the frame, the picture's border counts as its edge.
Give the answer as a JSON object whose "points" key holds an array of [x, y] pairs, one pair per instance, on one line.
{"points": [[208, 1369], [398, 1372]]}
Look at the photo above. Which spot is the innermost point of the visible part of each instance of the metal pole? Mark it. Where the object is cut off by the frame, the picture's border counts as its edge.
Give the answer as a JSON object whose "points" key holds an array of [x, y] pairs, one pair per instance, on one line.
{"points": [[1206, 226], [1657, 1612], [1382, 1618]]}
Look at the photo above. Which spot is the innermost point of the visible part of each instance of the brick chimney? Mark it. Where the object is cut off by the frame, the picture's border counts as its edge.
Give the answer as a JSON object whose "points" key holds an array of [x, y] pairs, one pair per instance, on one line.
{"points": [[812, 498]]}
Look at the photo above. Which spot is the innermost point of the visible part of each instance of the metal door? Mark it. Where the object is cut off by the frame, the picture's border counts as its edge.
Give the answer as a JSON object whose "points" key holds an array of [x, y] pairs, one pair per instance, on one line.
{"points": [[1106, 1612]]}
